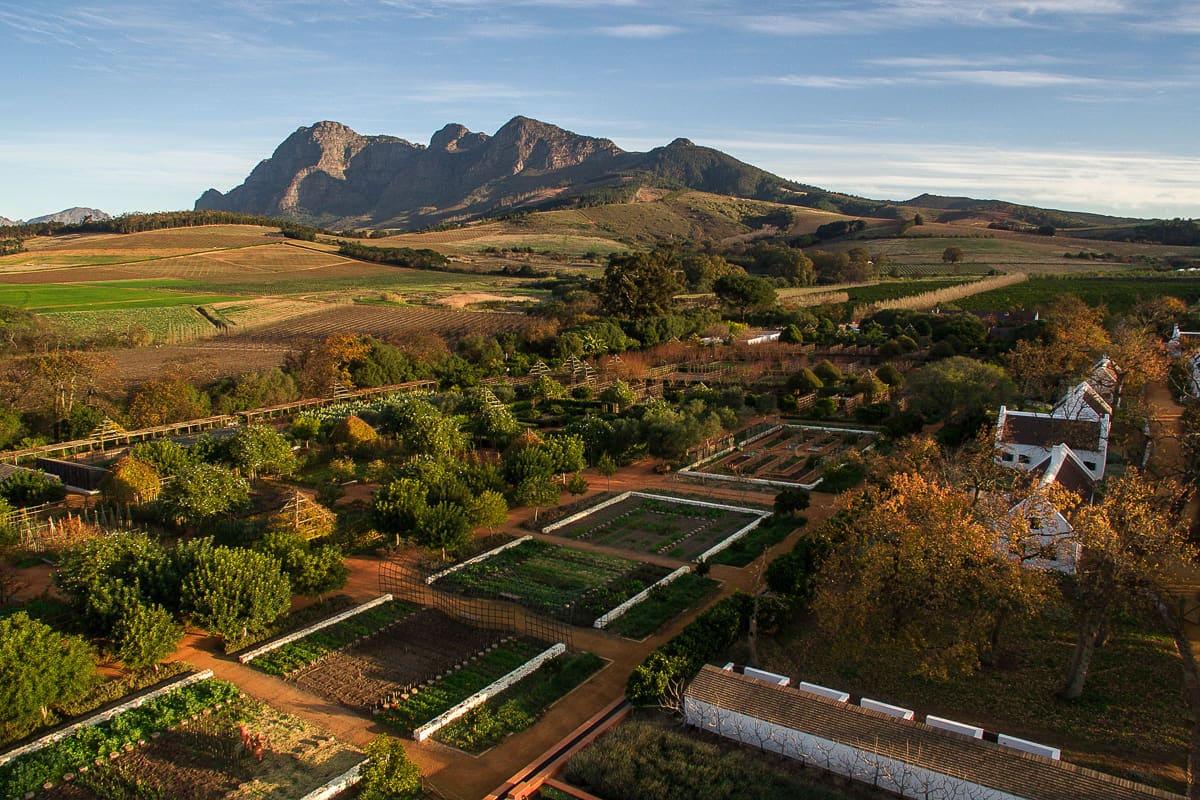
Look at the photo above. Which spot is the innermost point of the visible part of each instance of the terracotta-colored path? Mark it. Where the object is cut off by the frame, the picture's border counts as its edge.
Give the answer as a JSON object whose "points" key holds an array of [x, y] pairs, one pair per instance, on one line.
{"points": [[462, 777]]}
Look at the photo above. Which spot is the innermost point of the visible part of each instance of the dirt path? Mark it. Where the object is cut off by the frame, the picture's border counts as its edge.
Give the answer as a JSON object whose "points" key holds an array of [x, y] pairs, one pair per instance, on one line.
{"points": [[457, 775]]}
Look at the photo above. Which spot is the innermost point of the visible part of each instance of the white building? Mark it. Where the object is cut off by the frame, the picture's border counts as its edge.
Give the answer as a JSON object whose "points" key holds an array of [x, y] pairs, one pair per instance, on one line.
{"points": [[1025, 440]]}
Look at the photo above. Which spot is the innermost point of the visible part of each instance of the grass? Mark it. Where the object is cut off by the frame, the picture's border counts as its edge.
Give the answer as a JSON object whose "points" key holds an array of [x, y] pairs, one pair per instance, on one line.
{"points": [[519, 706], [302, 652], [890, 290], [654, 762], [111, 295], [664, 603], [1129, 722]]}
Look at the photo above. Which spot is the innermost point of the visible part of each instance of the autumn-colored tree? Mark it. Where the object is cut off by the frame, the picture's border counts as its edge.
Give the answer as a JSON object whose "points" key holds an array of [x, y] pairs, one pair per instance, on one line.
{"points": [[131, 481], [917, 579], [1132, 541], [164, 400], [1073, 338]]}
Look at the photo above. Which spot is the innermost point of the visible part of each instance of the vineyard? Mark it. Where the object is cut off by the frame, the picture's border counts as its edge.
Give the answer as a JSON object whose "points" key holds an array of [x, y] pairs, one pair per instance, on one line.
{"points": [[168, 325], [676, 529], [385, 321], [1119, 292]]}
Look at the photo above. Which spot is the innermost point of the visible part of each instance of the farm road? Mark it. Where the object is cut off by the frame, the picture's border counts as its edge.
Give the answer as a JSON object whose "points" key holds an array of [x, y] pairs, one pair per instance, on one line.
{"points": [[457, 775]]}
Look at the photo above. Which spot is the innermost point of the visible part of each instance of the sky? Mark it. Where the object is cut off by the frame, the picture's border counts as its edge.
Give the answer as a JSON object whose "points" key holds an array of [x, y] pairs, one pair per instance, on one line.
{"points": [[1088, 105]]}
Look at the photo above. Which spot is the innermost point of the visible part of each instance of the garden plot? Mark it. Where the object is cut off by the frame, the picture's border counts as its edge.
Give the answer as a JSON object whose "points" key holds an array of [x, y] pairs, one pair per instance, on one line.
{"points": [[667, 526], [419, 647], [571, 585], [792, 455]]}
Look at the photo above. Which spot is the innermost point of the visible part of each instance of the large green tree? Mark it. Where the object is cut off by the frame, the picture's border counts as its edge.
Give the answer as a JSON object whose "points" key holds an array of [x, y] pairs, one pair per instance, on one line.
{"points": [[201, 492], [261, 450], [234, 592], [957, 387], [144, 635], [39, 667], [637, 285], [389, 774]]}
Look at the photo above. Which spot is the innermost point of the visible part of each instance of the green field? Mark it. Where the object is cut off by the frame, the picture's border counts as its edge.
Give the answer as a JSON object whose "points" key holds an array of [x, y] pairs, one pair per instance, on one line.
{"points": [[1119, 292], [51, 297]]}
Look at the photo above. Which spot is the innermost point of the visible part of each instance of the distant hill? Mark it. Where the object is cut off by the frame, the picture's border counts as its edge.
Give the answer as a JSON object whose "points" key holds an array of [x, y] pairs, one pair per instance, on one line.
{"points": [[70, 216], [329, 174], [5, 221], [952, 208]]}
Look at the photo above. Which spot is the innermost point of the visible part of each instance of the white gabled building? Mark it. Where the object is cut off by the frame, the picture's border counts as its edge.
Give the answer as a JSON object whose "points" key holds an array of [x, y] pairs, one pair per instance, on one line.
{"points": [[1082, 401], [1025, 439], [1052, 545]]}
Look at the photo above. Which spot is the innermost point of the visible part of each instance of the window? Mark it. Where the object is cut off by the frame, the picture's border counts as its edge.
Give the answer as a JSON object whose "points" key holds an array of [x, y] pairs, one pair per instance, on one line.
{"points": [[1090, 464], [1023, 459], [1008, 456]]}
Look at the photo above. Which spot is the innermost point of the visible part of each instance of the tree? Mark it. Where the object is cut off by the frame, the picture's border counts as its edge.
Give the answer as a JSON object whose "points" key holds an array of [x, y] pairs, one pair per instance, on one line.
{"points": [[307, 427], [29, 487], [422, 428], [310, 570], [389, 774], [578, 484], [745, 292], [131, 481], [915, 578], [103, 577], [639, 285], [1073, 337], [234, 592], [39, 668], [261, 450], [619, 394], [791, 501], [827, 373], [805, 381], [201, 492], [163, 400], [168, 458], [1133, 541], [952, 255], [445, 527], [489, 509], [536, 492], [957, 387], [353, 433], [395, 508], [144, 635], [607, 467], [11, 429]]}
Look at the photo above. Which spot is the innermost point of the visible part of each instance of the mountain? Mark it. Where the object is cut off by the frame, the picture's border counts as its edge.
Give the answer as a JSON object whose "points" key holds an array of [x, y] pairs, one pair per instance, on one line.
{"points": [[70, 216], [330, 174], [5, 221], [954, 208]]}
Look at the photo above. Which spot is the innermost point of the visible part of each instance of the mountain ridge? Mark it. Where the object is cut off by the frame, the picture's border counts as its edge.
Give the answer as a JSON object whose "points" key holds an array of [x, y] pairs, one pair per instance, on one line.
{"points": [[328, 174]]}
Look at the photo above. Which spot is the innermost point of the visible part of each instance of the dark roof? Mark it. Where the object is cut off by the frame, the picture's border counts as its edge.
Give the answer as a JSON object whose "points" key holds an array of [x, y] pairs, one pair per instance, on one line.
{"points": [[1071, 474], [1007, 319], [981, 762], [1044, 430]]}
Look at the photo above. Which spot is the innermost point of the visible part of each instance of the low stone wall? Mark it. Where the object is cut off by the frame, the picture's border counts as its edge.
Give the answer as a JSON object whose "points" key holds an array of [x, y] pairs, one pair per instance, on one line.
{"points": [[481, 557], [275, 644], [730, 539], [341, 783], [491, 690], [104, 716]]}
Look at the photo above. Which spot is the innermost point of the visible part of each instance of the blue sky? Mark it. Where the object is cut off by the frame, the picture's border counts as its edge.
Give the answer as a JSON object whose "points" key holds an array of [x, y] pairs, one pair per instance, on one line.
{"points": [[1080, 104]]}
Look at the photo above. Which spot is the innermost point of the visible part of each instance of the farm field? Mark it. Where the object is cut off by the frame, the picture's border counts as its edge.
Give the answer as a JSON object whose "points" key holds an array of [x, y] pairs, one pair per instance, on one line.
{"points": [[1119, 292], [672, 528], [383, 321], [891, 290], [794, 454], [205, 761], [389, 663], [574, 586], [103, 296], [168, 324]]}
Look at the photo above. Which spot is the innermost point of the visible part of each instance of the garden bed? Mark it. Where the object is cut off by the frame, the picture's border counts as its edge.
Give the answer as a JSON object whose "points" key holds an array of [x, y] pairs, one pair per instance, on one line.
{"points": [[668, 527], [520, 706], [292, 656], [419, 705], [575, 586], [664, 603], [757, 541], [207, 758], [425, 644], [792, 456]]}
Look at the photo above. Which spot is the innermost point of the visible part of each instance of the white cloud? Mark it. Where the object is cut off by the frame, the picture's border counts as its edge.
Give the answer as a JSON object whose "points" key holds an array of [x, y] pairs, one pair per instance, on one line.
{"points": [[835, 81], [1119, 182], [639, 31]]}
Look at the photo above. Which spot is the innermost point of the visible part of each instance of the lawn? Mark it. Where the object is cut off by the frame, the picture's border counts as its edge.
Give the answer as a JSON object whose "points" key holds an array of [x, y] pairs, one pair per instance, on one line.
{"points": [[1130, 721], [572, 585]]}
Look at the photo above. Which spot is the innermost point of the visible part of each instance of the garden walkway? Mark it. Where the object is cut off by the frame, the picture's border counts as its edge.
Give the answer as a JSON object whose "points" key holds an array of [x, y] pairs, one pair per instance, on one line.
{"points": [[454, 774]]}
